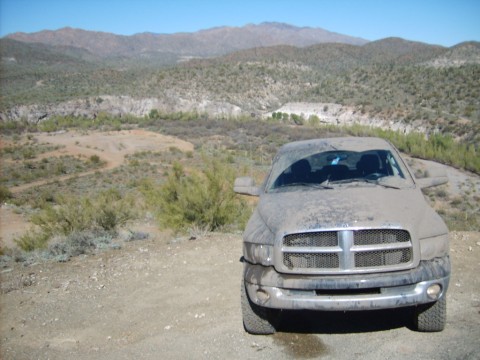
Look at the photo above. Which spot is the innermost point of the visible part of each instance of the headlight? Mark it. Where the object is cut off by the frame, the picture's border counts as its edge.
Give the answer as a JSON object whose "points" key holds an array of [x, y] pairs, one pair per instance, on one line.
{"points": [[432, 247], [258, 253]]}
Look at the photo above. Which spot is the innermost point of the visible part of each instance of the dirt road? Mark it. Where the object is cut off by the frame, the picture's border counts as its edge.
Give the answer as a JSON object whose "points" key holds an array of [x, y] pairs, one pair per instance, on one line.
{"points": [[166, 298], [111, 147]]}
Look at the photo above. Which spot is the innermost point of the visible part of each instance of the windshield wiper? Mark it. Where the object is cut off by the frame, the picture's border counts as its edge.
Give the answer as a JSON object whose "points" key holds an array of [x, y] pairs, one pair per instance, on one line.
{"points": [[313, 185], [369, 181]]}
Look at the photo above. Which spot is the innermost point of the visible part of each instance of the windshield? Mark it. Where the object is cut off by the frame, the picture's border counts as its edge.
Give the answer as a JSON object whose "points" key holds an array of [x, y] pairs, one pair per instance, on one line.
{"points": [[328, 169]]}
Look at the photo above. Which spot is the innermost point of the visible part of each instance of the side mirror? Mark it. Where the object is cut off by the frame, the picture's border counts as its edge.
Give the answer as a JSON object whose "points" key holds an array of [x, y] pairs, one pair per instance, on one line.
{"points": [[246, 186], [432, 181]]}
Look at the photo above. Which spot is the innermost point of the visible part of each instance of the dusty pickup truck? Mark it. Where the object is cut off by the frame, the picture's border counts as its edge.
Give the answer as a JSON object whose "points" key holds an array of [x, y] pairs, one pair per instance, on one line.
{"points": [[342, 225]]}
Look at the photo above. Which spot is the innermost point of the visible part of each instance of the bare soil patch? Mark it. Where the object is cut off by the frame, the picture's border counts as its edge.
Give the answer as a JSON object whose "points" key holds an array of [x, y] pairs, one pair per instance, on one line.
{"points": [[12, 225]]}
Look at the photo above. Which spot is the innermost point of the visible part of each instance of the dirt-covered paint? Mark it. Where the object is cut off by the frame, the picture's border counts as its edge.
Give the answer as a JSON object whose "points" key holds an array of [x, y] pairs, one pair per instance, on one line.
{"points": [[341, 275]]}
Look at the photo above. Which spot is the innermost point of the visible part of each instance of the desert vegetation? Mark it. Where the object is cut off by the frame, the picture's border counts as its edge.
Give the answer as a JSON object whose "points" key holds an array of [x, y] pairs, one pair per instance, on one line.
{"points": [[390, 79], [27, 171], [186, 191], [440, 147], [105, 212], [203, 200]]}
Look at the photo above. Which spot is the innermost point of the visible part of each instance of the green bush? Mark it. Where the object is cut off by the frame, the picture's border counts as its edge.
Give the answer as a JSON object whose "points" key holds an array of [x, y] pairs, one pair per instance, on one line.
{"points": [[32, 240], [5, 194], [297, 119], [105, 212], [203, 200], [112, 210], [95, 159], [154, 114], [313, 121]]}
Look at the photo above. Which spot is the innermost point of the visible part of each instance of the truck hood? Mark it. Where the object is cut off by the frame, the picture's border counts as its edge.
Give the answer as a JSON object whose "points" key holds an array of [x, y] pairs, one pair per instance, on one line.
{"points": [[359, 207]]}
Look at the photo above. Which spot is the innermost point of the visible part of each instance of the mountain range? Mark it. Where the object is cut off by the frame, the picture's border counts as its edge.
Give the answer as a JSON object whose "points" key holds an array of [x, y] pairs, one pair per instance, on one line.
{"points": [[205, 43], [255, 69]]}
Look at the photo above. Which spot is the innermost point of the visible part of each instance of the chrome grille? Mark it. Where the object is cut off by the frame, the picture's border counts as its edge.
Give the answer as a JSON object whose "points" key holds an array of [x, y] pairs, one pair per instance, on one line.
{"points": [[327, 238], [383, 258], [346, 251], [373, 237], [311, 261]]}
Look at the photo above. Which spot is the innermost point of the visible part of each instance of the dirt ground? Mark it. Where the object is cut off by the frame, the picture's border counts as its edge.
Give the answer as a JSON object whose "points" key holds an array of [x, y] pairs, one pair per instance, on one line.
{"points": [[176, 298]]}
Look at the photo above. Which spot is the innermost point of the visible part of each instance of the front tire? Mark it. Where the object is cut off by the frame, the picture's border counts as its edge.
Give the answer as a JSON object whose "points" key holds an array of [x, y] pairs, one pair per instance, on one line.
{"points": [[431, 317], [257, 320]]}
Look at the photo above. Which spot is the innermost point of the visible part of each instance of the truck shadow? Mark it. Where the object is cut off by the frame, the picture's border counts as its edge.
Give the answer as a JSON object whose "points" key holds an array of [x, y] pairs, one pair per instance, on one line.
{"points": [[336, 322]]}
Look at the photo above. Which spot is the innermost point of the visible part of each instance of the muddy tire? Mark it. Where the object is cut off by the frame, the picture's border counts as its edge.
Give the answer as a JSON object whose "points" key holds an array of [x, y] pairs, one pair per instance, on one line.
{"points": [[431, 317], [257, 320]]}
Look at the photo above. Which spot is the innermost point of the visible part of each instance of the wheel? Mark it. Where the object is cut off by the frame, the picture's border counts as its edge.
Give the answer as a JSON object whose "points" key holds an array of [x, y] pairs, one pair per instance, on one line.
{"points": [[257, 320], [431, 317]]}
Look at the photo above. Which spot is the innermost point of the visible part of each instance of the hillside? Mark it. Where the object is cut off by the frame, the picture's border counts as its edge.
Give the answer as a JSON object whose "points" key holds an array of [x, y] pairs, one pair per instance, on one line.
{"points": [[461, 54], [36, 54], [391, 81]]}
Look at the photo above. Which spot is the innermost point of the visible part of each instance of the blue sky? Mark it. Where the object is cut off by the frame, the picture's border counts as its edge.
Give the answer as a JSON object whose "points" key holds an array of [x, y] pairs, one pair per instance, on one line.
{"points": [[443, 22]]}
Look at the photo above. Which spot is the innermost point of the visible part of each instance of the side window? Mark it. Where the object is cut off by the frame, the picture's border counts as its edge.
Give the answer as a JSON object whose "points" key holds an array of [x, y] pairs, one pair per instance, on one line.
{"points": [[394, 165], [299, 172]]}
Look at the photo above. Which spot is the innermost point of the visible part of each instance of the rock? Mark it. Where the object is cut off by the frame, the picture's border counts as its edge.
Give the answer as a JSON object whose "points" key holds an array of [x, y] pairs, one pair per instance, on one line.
{"points": [[336, 114], [118, 106]]}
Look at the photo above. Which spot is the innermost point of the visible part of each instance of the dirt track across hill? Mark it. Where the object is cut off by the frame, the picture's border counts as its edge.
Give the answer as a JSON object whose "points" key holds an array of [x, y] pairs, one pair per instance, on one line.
{"points": [[111, 147]]}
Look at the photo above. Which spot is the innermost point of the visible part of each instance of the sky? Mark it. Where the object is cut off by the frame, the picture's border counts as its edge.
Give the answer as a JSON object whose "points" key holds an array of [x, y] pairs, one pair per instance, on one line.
{"points": [[441, 22]]}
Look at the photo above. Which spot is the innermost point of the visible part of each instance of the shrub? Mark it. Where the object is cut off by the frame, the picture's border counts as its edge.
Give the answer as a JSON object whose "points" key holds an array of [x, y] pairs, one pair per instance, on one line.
{"points": [[5, 194], [105, 212], [154, 114], [462, 221], [95, 159], [203, 200], [112, 210], [297, 119], [32, 240], [78, 243], [313, 120]]}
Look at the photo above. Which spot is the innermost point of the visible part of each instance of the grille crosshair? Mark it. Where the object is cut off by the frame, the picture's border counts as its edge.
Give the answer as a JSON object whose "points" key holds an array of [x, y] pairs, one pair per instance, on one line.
{"points": [[347, 250]]}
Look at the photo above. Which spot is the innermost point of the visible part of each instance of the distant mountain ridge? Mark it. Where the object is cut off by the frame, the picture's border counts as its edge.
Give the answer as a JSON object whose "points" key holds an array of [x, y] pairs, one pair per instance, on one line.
{"points": [[393, 81], [204, 43]]}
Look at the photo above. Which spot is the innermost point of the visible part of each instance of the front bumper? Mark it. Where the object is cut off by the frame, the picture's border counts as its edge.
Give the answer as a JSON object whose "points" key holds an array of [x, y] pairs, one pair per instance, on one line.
{"points": [[268, 288]]}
